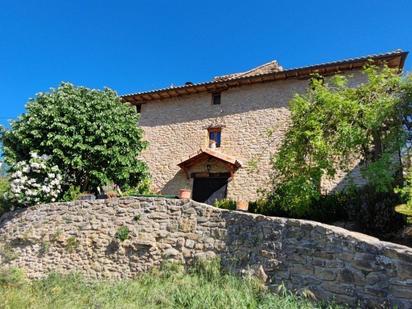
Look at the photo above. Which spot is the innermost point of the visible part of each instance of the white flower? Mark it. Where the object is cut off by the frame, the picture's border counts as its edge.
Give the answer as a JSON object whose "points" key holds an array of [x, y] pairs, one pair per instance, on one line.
{"points": [[35, 165], [34, 155], [15, 189], [17, 174], [45, 157], [51, 175]]}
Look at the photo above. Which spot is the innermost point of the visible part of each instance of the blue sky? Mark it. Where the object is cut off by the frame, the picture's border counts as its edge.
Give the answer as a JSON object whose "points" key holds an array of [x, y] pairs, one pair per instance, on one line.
{"points": [[132, 46]]}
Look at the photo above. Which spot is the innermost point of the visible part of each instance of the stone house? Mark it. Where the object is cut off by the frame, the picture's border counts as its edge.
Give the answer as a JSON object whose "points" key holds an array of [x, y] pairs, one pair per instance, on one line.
{"points": [[217, 137]]}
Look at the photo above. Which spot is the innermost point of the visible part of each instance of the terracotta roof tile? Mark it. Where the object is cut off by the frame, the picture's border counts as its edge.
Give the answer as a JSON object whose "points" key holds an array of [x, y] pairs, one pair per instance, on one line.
{"points": [[261, 74]]}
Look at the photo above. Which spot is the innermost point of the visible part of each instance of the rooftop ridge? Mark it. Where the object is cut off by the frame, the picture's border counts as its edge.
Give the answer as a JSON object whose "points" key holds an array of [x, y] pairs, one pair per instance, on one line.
{"points": [[272, 66], [285, 73]]}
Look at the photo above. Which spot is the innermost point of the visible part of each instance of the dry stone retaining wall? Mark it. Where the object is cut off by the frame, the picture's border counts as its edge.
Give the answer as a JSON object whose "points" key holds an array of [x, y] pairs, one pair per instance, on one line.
{"points": [[81, 236]]}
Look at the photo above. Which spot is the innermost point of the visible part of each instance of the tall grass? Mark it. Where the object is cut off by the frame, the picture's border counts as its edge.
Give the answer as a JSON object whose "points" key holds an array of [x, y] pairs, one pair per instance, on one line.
{"points": [[203, 286]]}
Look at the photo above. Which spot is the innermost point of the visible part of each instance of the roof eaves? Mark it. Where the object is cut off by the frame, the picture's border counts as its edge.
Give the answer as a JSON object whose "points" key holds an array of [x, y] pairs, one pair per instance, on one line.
{"points": [[293, 72]]}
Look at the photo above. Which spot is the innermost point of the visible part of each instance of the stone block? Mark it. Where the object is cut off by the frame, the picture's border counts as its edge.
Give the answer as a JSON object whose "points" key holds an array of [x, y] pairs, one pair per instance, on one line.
{"points": [[325, 274]]}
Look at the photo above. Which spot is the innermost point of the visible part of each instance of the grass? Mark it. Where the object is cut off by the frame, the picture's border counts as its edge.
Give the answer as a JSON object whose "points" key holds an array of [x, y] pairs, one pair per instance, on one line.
{"points": [[203, 286]]}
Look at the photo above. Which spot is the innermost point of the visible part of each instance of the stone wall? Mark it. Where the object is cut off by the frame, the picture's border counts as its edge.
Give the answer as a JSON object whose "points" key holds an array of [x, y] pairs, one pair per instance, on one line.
{"points": [[254, 120], [330, 261]]}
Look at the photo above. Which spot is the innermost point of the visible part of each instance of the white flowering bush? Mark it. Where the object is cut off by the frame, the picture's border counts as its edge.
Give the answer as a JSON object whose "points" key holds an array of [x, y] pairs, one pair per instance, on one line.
{"points": [[35, 181]]}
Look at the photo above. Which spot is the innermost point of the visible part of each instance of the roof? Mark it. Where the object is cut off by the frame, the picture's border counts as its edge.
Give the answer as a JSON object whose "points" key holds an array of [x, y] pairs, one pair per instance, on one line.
{"points": [[266, 73], [206, 153], [269, 67]]}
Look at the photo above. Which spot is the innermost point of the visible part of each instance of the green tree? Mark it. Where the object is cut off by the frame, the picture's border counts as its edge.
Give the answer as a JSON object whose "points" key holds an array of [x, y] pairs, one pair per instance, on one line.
{"points": [[333, 122], [91, 135]]}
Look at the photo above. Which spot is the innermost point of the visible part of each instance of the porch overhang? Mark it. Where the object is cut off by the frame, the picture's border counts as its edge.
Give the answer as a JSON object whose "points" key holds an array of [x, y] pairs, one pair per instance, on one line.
{"points": [[232, 164]]}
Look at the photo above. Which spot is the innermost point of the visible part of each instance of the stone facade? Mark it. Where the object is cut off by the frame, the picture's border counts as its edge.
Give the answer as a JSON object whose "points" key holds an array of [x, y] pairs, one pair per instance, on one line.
{"points": [[253, 119], [329, 261]]}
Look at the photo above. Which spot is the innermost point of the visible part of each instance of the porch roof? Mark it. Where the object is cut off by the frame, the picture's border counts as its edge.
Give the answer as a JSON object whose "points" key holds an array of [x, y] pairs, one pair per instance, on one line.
{"points": [[232, 163]]}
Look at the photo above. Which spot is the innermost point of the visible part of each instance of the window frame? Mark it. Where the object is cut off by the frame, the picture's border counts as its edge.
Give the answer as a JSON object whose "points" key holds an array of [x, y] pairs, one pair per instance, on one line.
{"points": [[216, 98], [216, 133]]}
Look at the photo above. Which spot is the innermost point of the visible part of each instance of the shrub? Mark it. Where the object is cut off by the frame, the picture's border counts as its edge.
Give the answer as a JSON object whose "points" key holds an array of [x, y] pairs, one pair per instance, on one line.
{"points": [[34, 181], [329, 208], [332, 124], [325, 208], [4, 188], [225, 204], [122, 233], [374, 212], [267, 207], [405, 191], [90, 134], [71, 194]]}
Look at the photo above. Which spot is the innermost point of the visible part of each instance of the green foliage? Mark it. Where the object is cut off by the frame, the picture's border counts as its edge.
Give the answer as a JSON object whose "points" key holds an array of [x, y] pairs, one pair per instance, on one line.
{"points": [[171, 287], [325, 208], [54, 237], [8, 253], [374, 212], [406, 191], [334, 123], [12, 278], [71, 194], [225, 204], [122, 233], [44, 248], [4, 188], [90, 134], [265, 206], [72, 243], [252, 166], [406, 211], [142, 189]]}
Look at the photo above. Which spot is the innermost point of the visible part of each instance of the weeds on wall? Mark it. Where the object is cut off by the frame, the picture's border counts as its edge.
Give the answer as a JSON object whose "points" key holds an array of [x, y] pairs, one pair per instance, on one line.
{"points": [[8, 253], [122, 233], [72, 243]]}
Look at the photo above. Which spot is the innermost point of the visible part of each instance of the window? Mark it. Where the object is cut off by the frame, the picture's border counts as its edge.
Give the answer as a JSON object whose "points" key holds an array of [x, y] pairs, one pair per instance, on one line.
{"points": [[138, 108], [215, 136], [216, 98]]}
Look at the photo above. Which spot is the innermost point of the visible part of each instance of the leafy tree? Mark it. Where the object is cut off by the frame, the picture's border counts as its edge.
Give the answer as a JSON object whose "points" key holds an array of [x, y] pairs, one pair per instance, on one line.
{"points": [[91, 135], [332, 124]]}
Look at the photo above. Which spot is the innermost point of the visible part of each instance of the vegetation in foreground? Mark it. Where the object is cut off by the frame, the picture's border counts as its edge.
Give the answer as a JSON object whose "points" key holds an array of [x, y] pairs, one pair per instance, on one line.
{"points": [[202, 286], [88, 136]]}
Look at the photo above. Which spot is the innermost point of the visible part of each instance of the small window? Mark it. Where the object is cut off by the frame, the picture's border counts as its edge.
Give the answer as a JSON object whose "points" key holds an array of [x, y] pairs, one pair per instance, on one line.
{"points": [[138, 108], [216, 98], [215, 135]]}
